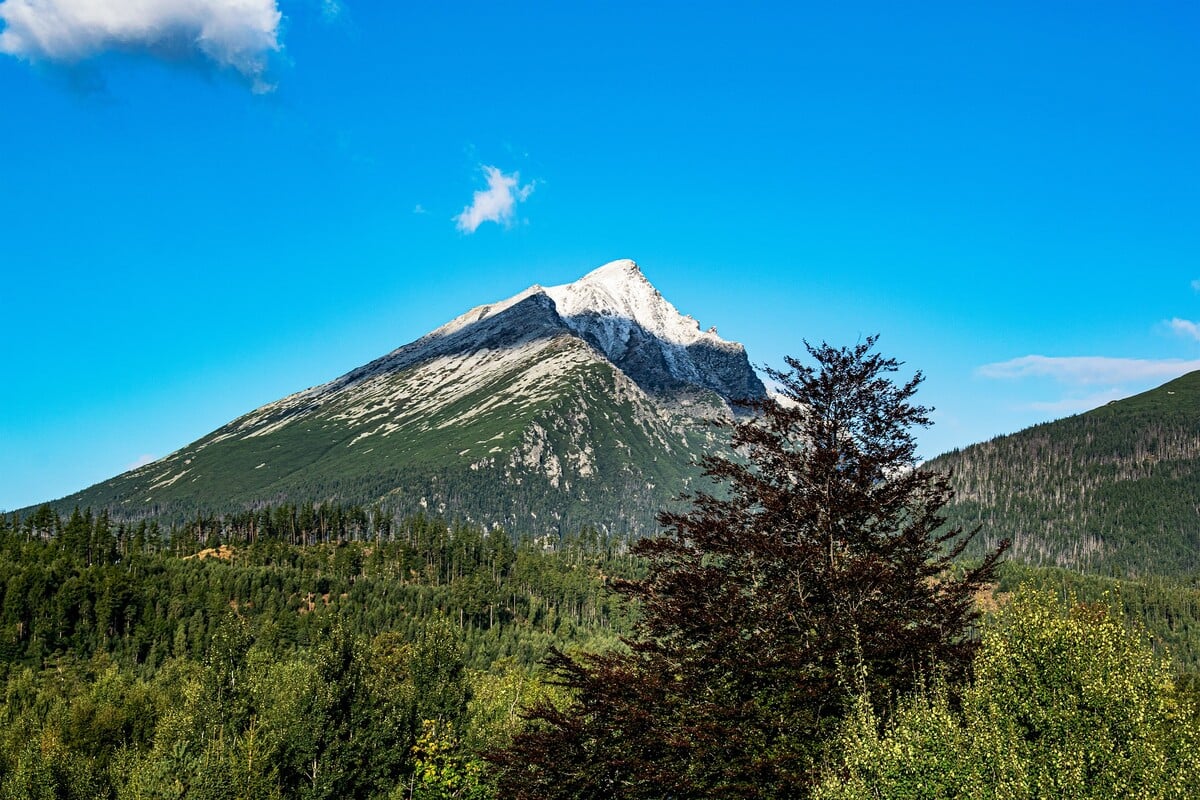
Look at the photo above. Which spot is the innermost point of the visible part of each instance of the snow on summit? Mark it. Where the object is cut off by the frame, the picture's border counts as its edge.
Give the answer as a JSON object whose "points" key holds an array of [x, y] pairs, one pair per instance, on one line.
{"points": [[606, 303], [616, 310], [619, 312], [613, 310], [620, 290]]}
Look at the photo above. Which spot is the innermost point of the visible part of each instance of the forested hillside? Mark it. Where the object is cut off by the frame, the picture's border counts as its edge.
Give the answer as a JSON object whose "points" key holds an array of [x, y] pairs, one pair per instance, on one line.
{"points": [[296, 652], [80, 585], [1112, 491]]}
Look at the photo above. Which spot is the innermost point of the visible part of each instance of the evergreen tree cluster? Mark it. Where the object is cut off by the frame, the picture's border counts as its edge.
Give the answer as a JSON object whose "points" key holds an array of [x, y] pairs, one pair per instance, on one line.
{"points": [[1114, 491], [78, 586], [351, 656]]}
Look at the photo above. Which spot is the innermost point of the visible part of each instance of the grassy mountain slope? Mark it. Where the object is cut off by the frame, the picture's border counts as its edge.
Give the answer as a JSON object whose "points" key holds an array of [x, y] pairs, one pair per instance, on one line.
{"points": [[516, 413], [1115, 490], [539, 436]]}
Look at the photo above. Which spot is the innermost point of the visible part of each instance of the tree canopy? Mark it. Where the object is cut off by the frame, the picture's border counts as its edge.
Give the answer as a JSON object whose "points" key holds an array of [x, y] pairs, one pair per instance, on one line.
{"points": [[823, 555], [1067, 701]]}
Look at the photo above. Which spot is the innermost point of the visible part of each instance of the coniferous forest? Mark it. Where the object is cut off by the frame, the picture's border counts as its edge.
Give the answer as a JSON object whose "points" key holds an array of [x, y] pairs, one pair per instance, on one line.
{"points": [[812, 628], [220, 659]]}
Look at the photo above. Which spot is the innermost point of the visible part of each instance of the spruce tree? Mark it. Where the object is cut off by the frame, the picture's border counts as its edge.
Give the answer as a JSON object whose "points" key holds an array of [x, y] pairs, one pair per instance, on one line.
{"points": [[822, 565]]}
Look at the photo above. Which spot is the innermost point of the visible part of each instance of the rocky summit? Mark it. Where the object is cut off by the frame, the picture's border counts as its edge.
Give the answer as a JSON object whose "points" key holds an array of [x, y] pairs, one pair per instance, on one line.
{"points": [[560, 407]]}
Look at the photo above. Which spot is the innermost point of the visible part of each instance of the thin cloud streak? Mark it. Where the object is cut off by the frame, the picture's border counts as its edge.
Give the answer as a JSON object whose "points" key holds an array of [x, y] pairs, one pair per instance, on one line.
{"points": [[142, 461], [497, 203], [1185, 327], [1087, 370]]}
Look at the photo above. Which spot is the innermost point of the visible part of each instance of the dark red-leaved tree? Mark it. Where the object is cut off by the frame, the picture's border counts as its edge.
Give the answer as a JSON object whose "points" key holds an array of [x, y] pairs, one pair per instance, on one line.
{"points": [[825, 559]]}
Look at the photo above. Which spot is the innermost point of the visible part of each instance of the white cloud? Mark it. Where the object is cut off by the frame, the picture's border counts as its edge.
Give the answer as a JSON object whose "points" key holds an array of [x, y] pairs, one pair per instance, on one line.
{"points": [[497, 203], [1185, 327], [1088, 370], [142, 461], [1196, 285], [232, 33]]}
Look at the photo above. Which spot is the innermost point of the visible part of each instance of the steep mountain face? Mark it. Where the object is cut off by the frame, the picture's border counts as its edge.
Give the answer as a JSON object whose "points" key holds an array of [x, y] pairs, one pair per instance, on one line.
{"points": [[1115, 490], [617, 310], [573, 405]]}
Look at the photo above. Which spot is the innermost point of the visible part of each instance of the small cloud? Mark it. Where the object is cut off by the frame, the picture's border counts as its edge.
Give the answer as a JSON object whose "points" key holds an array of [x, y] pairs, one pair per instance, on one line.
{"points": [[1185, 327], [238, 34], [497, 203], [331, 9], [1196, 285], [419, 209], [1088, 370], [142, 461]]}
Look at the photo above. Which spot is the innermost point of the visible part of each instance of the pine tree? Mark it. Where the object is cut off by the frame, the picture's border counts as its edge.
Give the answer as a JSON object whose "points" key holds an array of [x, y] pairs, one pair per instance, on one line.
{"points": [[825, 558]]}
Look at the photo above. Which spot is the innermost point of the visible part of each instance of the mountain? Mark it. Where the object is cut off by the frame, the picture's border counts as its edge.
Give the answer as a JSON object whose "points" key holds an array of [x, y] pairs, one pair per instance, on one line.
{"points": [[563, 406], [1115, 490]]}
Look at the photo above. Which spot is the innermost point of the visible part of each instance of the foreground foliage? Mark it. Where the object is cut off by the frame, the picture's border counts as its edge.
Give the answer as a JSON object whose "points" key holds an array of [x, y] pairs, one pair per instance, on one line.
{"points": [[827, 553], [1067, 702], [1168, 608], [346, 669]]}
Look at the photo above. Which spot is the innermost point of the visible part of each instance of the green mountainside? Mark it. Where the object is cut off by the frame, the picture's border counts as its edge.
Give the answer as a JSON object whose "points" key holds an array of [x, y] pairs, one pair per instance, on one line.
{"points": [[581, 405], [589, 450], [1115, 490]]}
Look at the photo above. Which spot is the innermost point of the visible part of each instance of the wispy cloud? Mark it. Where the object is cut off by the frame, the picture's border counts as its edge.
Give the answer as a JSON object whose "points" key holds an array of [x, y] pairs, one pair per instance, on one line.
{"points": [[142, 461], [238, 34], [497, 203], [331, 9], [1088, 370], [1185, 327]]}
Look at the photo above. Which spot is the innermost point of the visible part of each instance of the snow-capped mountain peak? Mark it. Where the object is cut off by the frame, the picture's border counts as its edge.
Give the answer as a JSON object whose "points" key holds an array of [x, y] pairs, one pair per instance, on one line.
{"points": [[616, 310], [620, 291], [480, 313], [569, 405]]}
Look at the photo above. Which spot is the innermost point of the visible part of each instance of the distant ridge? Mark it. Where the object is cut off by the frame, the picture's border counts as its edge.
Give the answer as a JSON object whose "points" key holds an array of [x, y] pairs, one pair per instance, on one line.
{"points": [[580, 404], [1115, 490]]}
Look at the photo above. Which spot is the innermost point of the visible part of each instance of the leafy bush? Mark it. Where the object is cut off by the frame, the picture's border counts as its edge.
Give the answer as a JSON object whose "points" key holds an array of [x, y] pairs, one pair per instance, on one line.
{"points": [[1067, 702]]}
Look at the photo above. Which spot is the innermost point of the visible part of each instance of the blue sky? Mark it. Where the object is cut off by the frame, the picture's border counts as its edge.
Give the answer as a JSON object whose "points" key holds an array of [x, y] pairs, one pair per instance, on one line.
{"points": [[210, 205]]}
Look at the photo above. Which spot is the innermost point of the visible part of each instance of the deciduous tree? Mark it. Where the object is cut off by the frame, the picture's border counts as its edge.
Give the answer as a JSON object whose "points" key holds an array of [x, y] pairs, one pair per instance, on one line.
{"points": [[823, 555]]}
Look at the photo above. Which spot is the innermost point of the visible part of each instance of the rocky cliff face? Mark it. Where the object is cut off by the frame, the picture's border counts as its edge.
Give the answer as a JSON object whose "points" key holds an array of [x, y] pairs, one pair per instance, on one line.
{"points": [[620, 313]]}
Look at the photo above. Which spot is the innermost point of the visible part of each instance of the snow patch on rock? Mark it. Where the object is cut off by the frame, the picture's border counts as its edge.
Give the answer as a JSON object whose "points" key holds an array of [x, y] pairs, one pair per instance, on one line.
{"points": [[619, 293]]}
